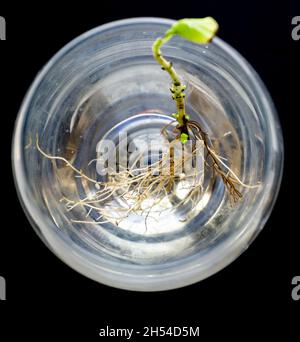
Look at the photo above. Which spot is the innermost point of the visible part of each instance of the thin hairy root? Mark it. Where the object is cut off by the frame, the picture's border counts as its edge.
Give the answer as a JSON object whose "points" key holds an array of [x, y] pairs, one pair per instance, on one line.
{"points": [[234, 177], [229, 178], [48, 156], [135, 186]]}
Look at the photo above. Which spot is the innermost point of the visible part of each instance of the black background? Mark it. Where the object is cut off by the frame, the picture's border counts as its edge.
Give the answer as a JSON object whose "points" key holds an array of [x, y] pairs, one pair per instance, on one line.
{"points": [[44, 296]]}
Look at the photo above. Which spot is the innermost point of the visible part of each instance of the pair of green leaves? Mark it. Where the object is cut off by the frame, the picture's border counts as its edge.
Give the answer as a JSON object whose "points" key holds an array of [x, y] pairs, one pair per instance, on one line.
{"points": [[199, 31]]}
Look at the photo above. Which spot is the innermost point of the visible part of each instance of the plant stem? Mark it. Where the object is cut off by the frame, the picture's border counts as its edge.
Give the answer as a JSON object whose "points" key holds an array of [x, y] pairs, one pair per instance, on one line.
{"points": [[177, 88]]}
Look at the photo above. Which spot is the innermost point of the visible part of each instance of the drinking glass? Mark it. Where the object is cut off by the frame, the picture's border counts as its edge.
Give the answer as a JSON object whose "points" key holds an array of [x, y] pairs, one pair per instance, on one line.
{"points": [[106, 82]]}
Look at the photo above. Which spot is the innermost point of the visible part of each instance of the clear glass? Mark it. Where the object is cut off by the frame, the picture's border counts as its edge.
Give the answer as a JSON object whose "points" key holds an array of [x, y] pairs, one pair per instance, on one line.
{"points": [[106, 81]]}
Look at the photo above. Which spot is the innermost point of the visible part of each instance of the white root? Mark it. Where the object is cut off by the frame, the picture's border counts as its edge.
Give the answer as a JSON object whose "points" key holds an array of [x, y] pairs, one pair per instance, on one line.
{"points": [[135, 185]]}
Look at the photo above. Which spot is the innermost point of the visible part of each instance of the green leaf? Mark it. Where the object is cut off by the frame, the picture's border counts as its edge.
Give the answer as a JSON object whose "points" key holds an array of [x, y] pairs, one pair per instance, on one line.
{"points": [[183, 137], [196, 30]]}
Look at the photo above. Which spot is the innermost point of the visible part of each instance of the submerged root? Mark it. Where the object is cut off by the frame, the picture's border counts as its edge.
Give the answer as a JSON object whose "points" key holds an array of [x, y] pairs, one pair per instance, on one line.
{"points": [[144, 190], [214, 161]]}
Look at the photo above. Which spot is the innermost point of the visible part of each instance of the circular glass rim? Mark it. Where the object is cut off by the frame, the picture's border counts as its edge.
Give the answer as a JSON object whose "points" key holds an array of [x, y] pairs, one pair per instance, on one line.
{"points": [[132, 278]]}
